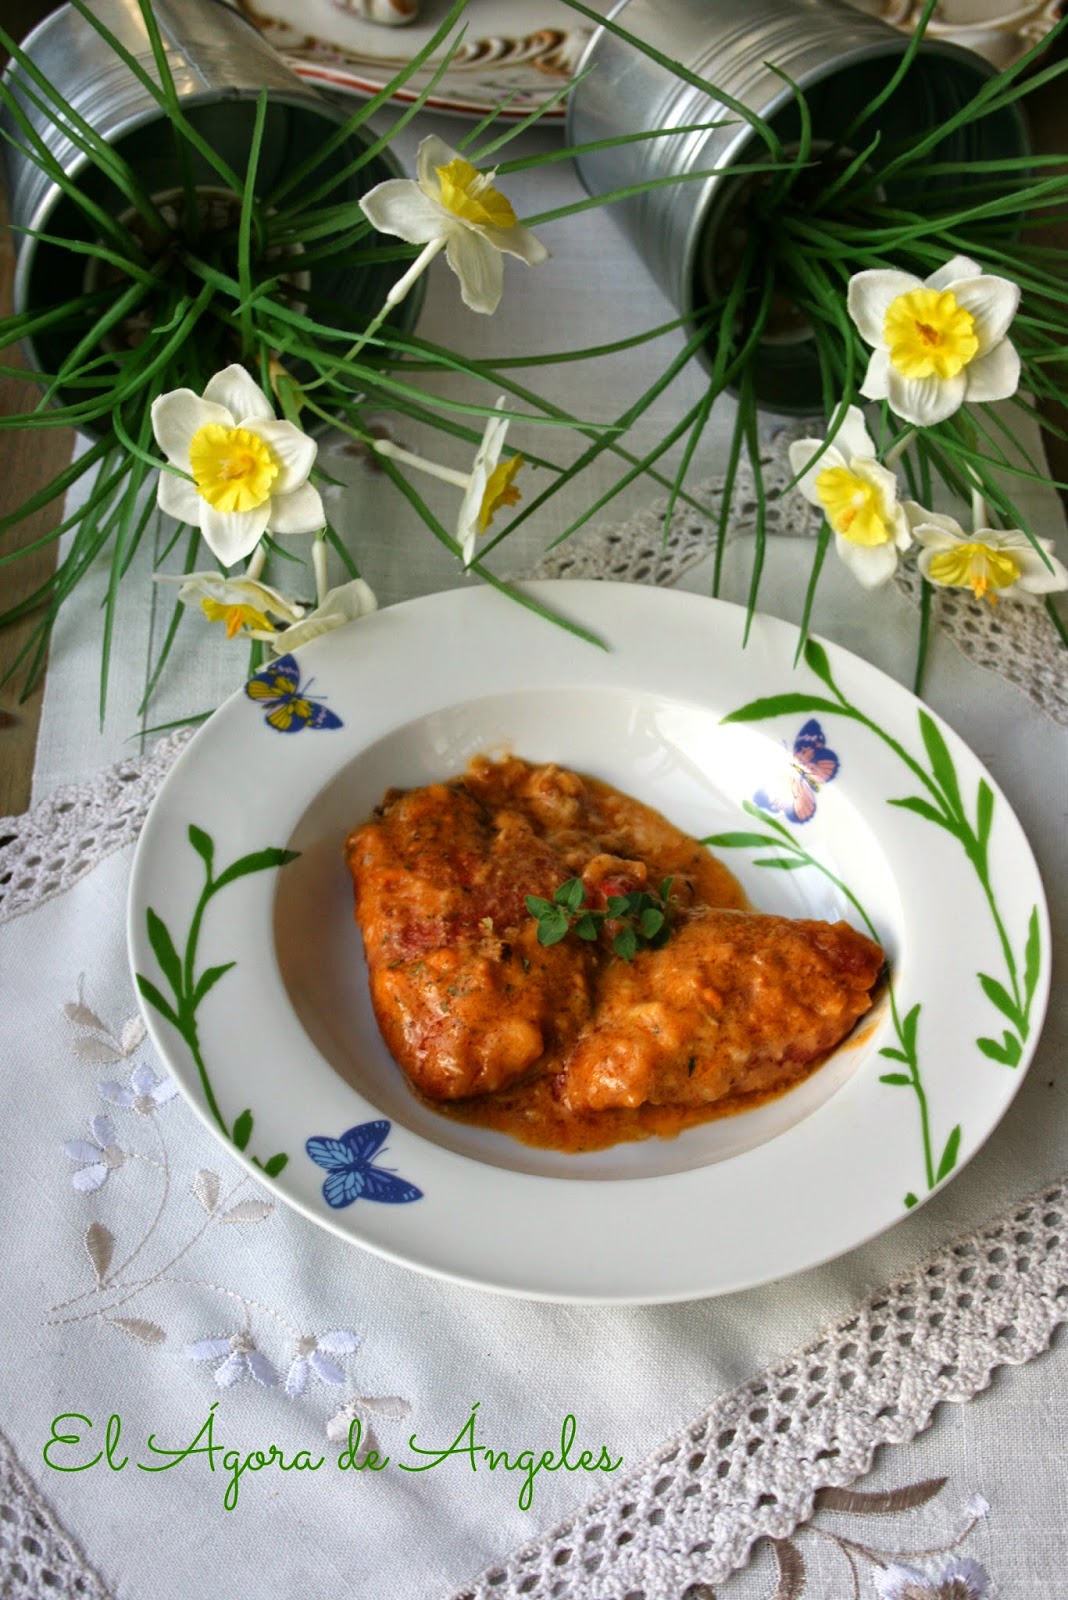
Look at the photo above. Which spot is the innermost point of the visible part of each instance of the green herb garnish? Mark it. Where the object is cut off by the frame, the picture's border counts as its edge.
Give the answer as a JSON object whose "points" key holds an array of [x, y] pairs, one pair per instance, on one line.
{"points": [[644, 915]]}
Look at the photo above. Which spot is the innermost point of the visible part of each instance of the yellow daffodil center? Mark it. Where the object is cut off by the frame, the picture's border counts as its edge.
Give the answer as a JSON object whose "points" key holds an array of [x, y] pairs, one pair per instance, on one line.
{"points": [[929, 335], [232, 467], [470, 194], [974, 566], [236, 617], [854, 508], [500, 491]]}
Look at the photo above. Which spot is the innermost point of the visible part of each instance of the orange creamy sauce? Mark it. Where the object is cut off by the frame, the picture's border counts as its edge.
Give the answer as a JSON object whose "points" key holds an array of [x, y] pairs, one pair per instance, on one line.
{"points": [[531, 1113], [565, 1047]]}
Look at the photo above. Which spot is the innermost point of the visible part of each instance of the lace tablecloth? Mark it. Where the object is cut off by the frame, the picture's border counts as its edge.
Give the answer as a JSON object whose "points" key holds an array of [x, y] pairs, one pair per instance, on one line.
{"points": [[147, 1279]]}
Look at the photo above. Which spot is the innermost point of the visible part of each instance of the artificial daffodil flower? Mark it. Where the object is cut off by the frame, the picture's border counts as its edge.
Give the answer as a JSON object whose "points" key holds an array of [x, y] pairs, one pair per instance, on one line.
{"points": [[490, 486], [450, 205], [857, 495], [242, 472], [346, 603], [990, 562], [245, 605], [937, 341]]}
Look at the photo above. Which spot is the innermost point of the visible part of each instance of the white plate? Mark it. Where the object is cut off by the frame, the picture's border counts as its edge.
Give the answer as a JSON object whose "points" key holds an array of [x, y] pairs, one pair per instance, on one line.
{"points": [[282, 1049], [522, 51], [516, 51]]}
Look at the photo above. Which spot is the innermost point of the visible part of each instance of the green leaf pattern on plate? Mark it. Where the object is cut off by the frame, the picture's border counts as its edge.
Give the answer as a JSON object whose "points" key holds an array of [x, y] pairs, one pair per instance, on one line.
{"points": [[1012, 992], [189, 990]]}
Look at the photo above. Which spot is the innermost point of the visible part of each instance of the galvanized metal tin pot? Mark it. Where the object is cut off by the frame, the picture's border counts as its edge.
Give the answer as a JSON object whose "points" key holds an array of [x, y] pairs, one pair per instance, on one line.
{"points": [[839, 57], [219, 62]]}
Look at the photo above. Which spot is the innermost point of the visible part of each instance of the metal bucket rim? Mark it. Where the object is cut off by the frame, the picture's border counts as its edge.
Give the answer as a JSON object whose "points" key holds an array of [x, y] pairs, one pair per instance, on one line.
{"points": [[62, 13]]}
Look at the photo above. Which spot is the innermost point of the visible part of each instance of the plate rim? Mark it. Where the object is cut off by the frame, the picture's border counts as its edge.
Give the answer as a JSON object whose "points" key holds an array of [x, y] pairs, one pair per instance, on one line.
{"points": [[600, 596]]}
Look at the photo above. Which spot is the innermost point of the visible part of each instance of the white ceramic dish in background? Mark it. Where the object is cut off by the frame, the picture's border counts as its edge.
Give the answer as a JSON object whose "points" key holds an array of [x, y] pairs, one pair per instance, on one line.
{"points": [[515, 51], [521, 51], [256, 994], [994, 29]]}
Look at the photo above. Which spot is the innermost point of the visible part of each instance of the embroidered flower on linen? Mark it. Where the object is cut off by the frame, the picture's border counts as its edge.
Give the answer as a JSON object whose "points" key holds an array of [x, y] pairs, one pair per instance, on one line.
{"points": [[857, 495], [359, 1409], [490, 486], [313, 1356], [242, 471], [990, 562], [245, 605], [961, 1579], [937, 341], [451, 205], [239, 1359], [347, 603], [99, 1159], [143, 1093]]}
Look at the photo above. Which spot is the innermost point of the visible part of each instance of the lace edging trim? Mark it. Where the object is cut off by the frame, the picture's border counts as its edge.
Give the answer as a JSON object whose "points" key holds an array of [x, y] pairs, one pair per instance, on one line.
{"points": [[752, 1464], [45, 851]]}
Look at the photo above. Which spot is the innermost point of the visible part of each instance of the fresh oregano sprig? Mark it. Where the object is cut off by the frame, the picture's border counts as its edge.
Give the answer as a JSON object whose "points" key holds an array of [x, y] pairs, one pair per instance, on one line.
{"points": [[645, 917]]}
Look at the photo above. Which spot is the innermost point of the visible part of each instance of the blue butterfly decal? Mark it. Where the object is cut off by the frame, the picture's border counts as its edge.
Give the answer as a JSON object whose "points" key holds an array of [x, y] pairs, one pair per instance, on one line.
{"points": [[290, 708], [811, 766], [348, 1161]]}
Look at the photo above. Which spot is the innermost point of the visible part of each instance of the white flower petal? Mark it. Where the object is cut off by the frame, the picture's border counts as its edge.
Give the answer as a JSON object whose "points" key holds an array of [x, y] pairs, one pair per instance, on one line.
{"points": [[877, 377], [233, 535], [347, 603], [853, 438], [1035, 576], [143, 1080], [297, 1378], [233, 1369], [870, 296], [893, 1580], [479, 268], [399, 207], [179, 498], [291, 449], [324, 1368], [81, 1150], [165, 1090], [924, 401], [517, 241], [90, 1178], [299, 511], [934, 523], [337, 1429], [433, 153], [177, 416], [993, 302], [242, 396], [953, 271], [493, 435], [261, 1369], [871, 565], [102, 1129], [467, 528], [964, 1569], [207, 1349], [340, 1342], [198, 586], [383, 1405], [882, 480], [117, 1094], [802, 452], [994, 375]]}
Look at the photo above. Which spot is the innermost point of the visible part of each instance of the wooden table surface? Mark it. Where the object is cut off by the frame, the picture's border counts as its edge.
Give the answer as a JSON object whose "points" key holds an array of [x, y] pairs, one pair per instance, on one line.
{"points": [[27, 462]]}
